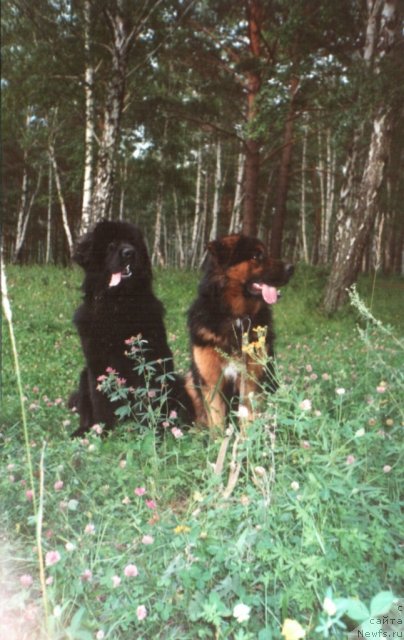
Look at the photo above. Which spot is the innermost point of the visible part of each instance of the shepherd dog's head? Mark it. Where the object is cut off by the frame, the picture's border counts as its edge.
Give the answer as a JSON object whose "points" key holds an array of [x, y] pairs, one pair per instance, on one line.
{"points": [[248, 276], [114, 257]]}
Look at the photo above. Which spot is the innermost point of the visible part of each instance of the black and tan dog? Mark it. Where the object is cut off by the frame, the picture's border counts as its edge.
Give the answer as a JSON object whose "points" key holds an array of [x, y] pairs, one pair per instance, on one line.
{"points": [[226, 320]]}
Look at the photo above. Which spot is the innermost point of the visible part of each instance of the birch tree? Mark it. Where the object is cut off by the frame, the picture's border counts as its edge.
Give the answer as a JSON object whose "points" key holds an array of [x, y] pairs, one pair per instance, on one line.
{"points": [[354, 223], [121, 40], [88, 180], [217, 191]]}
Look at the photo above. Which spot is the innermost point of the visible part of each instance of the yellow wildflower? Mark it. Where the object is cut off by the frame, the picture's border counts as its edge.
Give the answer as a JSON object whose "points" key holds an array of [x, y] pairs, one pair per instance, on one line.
{"points": [[292, 630], [182, 528]]}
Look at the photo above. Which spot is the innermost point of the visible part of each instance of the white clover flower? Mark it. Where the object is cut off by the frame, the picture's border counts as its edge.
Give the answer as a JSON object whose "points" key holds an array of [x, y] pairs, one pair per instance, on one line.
{"points": [[241, 612], [242, 411], [329, 607]]}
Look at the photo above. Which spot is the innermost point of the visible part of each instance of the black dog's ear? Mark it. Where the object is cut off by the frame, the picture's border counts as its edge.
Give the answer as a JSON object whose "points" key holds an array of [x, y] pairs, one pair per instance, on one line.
{"points": [[82, 251]]}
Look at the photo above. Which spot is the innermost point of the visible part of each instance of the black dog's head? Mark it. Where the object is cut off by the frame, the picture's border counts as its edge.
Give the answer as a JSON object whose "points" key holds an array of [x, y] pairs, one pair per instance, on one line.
{"points": [[113, 256], [244, 264]]}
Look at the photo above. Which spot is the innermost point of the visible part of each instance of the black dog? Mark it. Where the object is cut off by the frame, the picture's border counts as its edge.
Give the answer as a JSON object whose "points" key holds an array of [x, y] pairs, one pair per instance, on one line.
{"points": [[119, 304], [226, 320]]}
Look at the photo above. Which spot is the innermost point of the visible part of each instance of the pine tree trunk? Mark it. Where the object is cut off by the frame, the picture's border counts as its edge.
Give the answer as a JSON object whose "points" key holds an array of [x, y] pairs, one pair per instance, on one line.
{"points": [[252, 145], [278, 221]]}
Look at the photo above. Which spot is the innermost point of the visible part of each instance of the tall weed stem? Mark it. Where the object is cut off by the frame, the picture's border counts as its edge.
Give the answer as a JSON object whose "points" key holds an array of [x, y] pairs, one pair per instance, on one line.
{"points": [[37, 512]]}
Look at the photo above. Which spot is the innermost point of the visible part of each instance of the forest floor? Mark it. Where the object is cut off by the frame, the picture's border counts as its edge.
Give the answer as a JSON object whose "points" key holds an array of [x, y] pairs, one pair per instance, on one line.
{"points": [[138, 536]]}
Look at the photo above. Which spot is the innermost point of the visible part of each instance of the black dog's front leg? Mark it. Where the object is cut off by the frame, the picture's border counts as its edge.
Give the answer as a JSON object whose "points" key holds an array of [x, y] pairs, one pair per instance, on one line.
{"points": [[81, 401]]}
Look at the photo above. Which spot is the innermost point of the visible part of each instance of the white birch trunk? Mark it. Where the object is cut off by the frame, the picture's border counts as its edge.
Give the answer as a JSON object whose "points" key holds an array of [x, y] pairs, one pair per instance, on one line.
{"points": [[178, 234], [88, 181], [103, 192], [49, 215], [216, 196], [21, 210], [354, 224], [202, 251], [303, 199], [61, 199], [234, 226], [157, 256], [197, 214], [123, 186], [24, 212]]}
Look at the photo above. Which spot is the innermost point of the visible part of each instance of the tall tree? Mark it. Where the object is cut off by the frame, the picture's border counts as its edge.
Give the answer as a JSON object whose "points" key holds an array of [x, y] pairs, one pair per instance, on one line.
{"points": [[358, 209], [122, 36], [252, 144], [88, 180]]}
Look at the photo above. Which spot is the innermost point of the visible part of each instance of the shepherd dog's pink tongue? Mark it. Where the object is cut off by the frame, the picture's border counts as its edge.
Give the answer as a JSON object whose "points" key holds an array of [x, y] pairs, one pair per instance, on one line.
{"points": [[269, 294], [115, 279]]}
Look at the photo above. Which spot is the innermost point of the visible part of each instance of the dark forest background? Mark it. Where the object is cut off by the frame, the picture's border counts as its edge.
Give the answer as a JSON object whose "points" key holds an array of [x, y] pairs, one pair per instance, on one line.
{"points": [[193, 119]]}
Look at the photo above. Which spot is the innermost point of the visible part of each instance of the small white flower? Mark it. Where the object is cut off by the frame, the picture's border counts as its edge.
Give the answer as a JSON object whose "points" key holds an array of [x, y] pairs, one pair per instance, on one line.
{"points": [[242, 411], [329, 607], [295, 485], [116, 581], [141, 612], [89, 529], [69, 546], [359, 433], [260, 471], [305, 405], [241, 612], [57, 611], [340, 391]]}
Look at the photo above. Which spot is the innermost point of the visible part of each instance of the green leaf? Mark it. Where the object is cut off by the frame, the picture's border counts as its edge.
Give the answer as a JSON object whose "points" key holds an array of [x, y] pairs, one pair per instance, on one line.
{"points": [[265, 634], [371, 628], [83, 635], [357, 611], [76, 620], [381, 602]]}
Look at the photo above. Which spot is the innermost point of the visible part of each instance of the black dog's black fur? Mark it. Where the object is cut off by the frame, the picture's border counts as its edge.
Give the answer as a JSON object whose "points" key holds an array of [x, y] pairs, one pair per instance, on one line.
{"points": [[119, 304]]}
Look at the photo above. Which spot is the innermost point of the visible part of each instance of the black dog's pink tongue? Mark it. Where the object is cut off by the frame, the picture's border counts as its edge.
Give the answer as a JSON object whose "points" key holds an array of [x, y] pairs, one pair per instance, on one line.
{"points": [[269, 294], [115, 279]]}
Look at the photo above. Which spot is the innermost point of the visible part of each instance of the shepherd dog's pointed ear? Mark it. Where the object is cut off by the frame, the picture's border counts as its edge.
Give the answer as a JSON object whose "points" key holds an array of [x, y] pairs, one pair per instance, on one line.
{"points": [[213, 247], [222, 249], [82, 252]]}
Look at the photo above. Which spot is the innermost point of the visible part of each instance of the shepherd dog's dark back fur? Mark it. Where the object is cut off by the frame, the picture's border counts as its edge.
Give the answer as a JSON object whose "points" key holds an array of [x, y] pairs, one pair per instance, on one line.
{"points": [[118, 304], [234, 299]]}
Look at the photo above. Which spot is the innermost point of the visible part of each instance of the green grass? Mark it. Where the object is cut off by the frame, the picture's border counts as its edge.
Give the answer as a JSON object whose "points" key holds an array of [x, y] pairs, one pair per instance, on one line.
{"points": [[316, 504]]}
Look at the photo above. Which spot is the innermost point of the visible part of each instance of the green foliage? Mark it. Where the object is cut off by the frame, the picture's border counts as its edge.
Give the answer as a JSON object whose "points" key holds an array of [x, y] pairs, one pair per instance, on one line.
{"points": [[316, 502]]}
